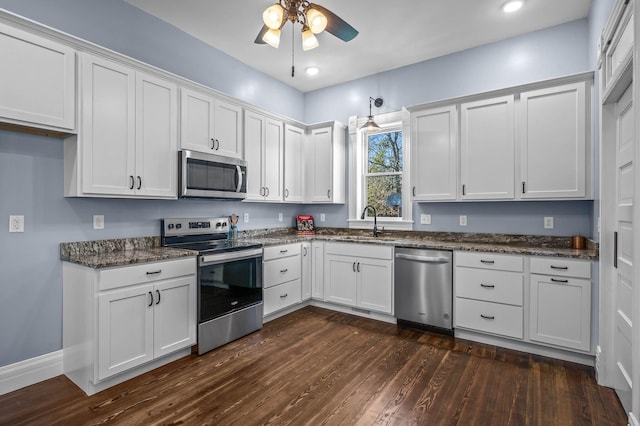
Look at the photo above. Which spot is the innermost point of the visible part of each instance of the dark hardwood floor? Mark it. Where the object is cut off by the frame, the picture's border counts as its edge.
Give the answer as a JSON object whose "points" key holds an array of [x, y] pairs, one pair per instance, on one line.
{"points": [[322, 367]]}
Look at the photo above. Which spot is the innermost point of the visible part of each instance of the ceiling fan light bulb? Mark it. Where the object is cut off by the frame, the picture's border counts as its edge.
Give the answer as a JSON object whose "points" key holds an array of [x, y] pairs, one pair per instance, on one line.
{"points": [[272, 38], [512, 6], [309, 41], [273, 16], [316, 20]]}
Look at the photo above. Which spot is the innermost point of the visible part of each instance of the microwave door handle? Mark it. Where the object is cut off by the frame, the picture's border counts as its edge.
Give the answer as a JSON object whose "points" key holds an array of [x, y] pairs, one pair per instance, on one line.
{"points": [[239, 174]]}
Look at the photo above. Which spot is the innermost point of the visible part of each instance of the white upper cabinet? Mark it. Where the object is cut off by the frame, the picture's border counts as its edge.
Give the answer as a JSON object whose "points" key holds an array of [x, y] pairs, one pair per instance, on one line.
{"points": [[553, 144], [210, 125], [37, 81], [487, 149], [127, 140], [325, 163], [293, 182], [264, 147], [434, 158]]}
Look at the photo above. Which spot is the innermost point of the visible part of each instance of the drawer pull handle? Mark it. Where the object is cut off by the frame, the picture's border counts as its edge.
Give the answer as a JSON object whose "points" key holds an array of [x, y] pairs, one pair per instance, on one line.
{"points": [[490, 262], [283, 251], [154, 272], [490, 317], [282, 271], [559, 267], [487, 285], [555, 280], [282, 296]]}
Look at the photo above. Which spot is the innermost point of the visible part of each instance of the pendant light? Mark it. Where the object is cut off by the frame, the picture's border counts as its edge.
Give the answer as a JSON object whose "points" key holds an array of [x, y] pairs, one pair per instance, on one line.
{"points": [[371, 125]]}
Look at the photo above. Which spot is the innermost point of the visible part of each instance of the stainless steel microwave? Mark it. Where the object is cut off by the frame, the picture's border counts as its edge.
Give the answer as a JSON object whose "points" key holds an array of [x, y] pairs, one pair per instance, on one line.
{"points": [[211, 176]]}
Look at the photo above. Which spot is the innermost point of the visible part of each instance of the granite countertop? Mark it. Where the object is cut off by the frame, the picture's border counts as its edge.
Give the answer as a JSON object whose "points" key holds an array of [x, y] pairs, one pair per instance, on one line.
{"points": [[119, 252], [492, 243], [127, 251]]}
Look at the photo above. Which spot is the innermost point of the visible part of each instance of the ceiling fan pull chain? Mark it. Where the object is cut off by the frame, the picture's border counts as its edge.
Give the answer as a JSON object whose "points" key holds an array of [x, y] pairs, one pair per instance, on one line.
{"points": [[293, 64]]}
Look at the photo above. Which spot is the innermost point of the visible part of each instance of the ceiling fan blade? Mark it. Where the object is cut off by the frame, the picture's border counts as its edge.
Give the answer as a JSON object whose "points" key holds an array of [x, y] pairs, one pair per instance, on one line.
{"points": [[261, 34], [336, 25]]}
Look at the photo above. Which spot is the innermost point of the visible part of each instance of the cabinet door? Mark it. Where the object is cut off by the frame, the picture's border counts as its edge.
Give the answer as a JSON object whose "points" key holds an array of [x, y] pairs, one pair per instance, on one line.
{"points": [[125, 329], [293, 182], [307, 263], [560, 311], [553, 142], [375, 285], [227, 129], [37, 80], [487, 149], [272, 160], [174, 315], [435, 154], [254, 125], [317, 274], [340, 284], [108, 127], [196, 121], [156, 137], [320, 168]]}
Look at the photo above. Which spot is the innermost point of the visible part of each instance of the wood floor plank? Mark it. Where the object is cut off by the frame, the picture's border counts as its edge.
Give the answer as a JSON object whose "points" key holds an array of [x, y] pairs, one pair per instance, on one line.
{"points": [[319, 367]]}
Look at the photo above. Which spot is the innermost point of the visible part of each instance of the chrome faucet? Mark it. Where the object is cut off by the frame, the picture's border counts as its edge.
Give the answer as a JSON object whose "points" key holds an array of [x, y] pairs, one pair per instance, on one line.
{"points": [[375, 218]]}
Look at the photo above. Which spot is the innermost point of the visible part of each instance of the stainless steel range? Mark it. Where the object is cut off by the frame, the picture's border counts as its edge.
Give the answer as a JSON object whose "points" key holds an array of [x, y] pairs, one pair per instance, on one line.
{"points": [[229, 279]]}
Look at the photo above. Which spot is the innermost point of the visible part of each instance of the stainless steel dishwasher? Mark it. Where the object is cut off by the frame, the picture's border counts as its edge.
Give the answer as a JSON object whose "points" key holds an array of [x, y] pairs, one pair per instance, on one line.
{"points": [[424, 289]]}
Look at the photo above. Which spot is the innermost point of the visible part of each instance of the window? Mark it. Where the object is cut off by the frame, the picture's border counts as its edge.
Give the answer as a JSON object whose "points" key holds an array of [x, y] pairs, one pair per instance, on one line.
{"points": [[378, 172]]}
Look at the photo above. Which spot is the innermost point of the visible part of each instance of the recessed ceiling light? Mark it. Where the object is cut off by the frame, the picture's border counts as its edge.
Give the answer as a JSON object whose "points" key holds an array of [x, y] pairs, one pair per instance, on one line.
{"points": [[512, 6], [312, 70]]}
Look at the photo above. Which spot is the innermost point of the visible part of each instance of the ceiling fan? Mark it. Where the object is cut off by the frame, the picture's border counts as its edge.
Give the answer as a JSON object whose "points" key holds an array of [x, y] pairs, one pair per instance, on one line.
{"points": [[313, 18]]}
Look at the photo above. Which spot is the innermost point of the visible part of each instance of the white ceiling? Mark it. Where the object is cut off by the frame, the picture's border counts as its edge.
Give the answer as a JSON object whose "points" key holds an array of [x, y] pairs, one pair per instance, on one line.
{"points": [[392, 33]]}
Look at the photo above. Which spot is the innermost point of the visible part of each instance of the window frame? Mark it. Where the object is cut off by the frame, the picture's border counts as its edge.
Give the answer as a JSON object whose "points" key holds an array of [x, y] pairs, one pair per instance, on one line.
{"points": [[358, 148]]}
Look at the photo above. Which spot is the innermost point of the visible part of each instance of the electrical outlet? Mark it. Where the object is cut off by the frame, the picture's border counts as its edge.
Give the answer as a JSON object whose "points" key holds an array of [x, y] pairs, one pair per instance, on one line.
{"points": [[98, 221], [548, 222], [16, 223], [463, 220], [425, 219], [246, 217], [280, 217], [322, 217]]}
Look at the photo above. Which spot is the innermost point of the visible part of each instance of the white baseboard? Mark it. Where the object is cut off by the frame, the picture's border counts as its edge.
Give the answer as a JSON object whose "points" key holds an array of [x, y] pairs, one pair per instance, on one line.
{"points": [[30, 371]]}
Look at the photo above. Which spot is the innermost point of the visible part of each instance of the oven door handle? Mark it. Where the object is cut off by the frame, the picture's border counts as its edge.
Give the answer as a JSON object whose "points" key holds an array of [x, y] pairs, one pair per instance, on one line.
{"points": [[239, 175], [229, 256]]}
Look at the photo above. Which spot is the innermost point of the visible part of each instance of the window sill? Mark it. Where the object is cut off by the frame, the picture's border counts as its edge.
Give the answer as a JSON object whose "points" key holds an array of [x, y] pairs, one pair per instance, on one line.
{"points": [[389, 225]]}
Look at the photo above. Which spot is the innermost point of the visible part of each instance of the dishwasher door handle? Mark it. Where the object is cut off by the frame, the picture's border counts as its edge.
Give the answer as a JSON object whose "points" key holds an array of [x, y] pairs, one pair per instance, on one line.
{"points": [[426, 259]]}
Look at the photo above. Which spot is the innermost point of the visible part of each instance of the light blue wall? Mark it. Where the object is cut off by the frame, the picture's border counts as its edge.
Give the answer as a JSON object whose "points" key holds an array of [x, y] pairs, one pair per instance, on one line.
{"points": [[31, 167]]}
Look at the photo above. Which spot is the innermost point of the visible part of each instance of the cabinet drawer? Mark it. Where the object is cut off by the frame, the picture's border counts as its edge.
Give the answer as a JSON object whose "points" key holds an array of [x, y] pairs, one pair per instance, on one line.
{"points": [[277, 252], [282, 296], [489, 317], [279, 271], [360, 250], [146, 272], [490, 286], [501, 262], [560, 266]]}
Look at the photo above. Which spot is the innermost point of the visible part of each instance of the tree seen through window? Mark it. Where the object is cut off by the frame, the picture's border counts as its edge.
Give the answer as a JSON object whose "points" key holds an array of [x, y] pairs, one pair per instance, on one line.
{"points": [[384, 173]]}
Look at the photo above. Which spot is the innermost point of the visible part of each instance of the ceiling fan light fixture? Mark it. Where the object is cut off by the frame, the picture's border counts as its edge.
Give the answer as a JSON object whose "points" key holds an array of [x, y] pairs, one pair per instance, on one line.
{"points": [[512, 6], [309, 41], [272, 38], [312, 70], [316, 20], [273, 16]]}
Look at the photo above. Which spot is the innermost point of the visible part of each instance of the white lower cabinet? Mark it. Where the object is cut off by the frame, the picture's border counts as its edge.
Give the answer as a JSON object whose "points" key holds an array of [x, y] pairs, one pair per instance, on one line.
{"points": [[560, 304], [489, 293], [359, 275], [548, 303], [307, 270], [317, 270], [282, 277], [140, 314]]}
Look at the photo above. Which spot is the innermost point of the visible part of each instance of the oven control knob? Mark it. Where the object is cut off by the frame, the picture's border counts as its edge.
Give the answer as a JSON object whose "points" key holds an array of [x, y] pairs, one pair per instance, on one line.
{"points": [[178, 225], [170, 226]]}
